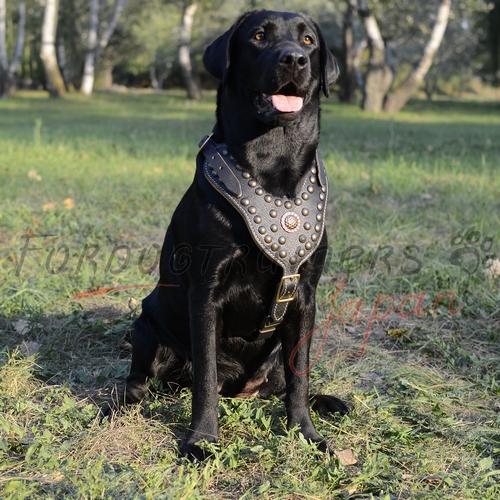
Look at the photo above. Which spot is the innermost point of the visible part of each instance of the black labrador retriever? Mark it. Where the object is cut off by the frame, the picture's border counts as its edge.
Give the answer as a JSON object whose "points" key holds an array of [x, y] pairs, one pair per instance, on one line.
{"points": [[241, 260]]}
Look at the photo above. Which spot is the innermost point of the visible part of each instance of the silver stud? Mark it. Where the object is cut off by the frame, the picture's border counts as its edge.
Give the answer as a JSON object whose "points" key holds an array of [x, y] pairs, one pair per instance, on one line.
{"points": [[308, 246], [314, 237], [321, 206], [273, 213], [314, 170], [246, 175], [305, 212], [310, 189], [301, 252], [262, 230], [278, 203], [245, 202], [252, 210], [322, 196], [307, 226], [268, 239], [288, 205], [257, 219], [275, 247], [282, 240], [302, 238], [283, 254], [259, 191], [319, 217], [268, 198], [317, 228], [312, 179], [298, 202], [305, 196], [274, 228], [293, 260]]}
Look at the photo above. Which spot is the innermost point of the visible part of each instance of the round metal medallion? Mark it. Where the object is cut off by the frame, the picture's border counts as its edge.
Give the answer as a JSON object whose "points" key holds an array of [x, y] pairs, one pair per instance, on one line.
{"points": [[290, 222]]}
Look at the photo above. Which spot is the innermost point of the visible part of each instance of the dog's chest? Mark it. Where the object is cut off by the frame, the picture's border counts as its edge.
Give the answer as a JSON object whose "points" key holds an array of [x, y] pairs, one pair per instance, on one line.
{"points": [[287, 231]]}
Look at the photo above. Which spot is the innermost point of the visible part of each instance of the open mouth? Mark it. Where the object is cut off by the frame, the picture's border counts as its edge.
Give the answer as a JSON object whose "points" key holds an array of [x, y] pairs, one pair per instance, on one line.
{"points": [[285, 100]]}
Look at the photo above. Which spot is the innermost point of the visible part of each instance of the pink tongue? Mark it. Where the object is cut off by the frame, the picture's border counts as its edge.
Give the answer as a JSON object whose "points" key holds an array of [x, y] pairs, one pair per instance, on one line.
{"points": [[287, 103]]}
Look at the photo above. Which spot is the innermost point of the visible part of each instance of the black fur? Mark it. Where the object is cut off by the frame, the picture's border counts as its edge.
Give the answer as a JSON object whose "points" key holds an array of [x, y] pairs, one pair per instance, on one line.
{"points": [[198, 333]]}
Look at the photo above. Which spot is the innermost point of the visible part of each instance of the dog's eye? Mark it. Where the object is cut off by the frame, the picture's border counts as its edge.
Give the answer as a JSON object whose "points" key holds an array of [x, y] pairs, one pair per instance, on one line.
{"points": [[259, 36], [308, 40]]}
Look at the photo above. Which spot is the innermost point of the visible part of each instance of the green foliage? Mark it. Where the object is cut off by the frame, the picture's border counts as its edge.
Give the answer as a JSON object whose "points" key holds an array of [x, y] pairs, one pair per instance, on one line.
{"points": [[110, 171]]}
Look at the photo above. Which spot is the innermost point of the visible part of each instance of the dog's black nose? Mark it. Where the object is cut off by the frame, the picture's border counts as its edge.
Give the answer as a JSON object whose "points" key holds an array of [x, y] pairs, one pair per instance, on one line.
{"points": [[294, 57]]}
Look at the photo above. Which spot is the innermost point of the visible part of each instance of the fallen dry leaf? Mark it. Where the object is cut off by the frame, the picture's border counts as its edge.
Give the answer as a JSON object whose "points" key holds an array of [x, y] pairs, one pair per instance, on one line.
{"points": [[49, 206], [346, 457], [397, 332], [29, 348], [69, 203], [32, 174], [21, 326]]}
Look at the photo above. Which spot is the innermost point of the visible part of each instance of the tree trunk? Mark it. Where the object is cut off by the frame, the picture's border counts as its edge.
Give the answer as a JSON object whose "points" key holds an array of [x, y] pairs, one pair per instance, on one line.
{"points": [[397, 99], [55, 82], [348, 92], [89, 65], [379, 76], [192, 85], [3, 50], [105, 37], [96, 46], [20, 37], [63, 63]]}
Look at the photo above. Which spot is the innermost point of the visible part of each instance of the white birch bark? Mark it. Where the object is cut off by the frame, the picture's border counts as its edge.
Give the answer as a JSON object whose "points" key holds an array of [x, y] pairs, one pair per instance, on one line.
{"points": [[194, 91], [379, 76], [106, 35], [397, 99], [55, 81], [96, 44], [90, 59]]}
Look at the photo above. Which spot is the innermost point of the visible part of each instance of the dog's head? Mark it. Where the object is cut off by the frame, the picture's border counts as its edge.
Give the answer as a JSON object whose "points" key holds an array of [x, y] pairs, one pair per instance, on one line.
{"points": [[275, 62]]}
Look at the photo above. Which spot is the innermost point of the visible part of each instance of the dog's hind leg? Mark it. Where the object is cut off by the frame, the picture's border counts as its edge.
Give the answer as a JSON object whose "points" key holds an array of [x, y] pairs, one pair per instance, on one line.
{"points": [[143, 357]]}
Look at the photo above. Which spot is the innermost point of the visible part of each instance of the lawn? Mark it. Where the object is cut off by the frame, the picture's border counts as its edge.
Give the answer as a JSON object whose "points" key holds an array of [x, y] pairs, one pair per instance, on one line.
{"points": [[408, 307]]}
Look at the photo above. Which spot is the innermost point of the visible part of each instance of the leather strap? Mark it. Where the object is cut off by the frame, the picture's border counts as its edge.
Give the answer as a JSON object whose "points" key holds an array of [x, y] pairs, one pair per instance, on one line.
{"points": [[287, 230]]}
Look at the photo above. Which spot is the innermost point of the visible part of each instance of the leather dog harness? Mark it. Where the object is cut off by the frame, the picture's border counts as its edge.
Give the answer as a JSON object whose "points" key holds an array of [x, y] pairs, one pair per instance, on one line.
{"points": [[287, 230]]}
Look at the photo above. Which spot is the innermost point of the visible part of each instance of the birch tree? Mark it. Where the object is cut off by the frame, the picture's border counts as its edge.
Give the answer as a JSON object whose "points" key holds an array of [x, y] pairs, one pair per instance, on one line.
{"points": [[98, 40], [397, 99], [20, 38], [8, 71], [380, 75], [185, 61], [55, 82]]}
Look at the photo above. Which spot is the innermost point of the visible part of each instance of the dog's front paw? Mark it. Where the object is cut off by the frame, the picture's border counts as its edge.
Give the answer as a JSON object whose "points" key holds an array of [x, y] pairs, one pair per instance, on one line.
{"points": [[325, 405], [194, 453]]}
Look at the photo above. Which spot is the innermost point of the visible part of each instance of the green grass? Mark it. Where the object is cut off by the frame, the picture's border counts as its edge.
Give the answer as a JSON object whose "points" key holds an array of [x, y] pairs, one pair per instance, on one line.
{"points": [[80, 176]]}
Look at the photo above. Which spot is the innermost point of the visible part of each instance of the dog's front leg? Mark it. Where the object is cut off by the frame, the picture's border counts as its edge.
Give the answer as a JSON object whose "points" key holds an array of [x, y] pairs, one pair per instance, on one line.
{"points": [[296, 343], [204, 420]]}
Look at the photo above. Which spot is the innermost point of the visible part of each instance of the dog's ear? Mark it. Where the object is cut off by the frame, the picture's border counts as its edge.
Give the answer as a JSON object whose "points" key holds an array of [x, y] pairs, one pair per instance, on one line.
{"points": [[328, 64], [217, 55]]}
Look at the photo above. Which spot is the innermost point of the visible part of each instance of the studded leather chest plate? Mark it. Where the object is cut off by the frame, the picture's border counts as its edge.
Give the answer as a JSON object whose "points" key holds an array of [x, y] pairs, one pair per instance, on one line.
{"points": [[287, 230]]}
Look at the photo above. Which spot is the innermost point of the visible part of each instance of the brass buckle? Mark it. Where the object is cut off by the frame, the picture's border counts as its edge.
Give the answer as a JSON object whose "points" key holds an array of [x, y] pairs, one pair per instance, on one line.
{"points": [[267, 328], [288, 297]]}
